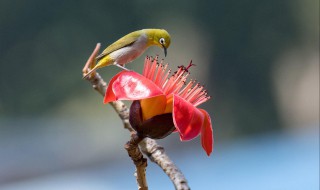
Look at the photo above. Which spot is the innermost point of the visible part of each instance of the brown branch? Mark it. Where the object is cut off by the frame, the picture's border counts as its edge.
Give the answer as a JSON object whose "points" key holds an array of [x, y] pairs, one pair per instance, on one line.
{"points": [[148, 146], [157, 155], [139, 161]]}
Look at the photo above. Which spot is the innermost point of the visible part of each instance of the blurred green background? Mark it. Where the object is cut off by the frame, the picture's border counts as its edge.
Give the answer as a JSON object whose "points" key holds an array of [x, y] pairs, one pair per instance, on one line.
{"points": [[258, 59]]}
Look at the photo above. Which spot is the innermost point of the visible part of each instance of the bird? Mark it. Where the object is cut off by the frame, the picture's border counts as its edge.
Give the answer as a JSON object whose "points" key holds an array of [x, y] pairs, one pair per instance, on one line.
{"points": [[130, 47]]}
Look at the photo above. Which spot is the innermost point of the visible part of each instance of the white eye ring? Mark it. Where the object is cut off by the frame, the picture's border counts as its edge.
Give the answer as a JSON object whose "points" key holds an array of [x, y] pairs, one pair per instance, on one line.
{"points": [[162, 41]]}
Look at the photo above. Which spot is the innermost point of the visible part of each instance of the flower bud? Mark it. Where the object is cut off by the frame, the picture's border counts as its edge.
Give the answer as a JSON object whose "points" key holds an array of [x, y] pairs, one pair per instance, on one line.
{"points": [[156, 127]]}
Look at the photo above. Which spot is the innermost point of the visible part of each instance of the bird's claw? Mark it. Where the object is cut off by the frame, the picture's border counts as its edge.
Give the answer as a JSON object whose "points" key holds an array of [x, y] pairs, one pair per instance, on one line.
{"points": [[122, 67]]}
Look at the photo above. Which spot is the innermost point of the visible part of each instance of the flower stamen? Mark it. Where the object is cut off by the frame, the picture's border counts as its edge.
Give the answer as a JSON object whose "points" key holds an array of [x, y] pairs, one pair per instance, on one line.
{"points": [[202, 100], [188, 67], [146, 66], [185, 90], [175, 80], [158, 73], [152, 69], [195, 94]]}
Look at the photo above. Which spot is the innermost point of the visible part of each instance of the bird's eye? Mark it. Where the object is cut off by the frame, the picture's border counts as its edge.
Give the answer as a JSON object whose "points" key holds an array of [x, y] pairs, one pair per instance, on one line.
{"points": [[162, 41]]}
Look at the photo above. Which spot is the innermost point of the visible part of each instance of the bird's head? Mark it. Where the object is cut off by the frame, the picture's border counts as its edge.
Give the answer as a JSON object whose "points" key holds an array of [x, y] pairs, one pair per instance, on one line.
{"points": [[159, 37]]}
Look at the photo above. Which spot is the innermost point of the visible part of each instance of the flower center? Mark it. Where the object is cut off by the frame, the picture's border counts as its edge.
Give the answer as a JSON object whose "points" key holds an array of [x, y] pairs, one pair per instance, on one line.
{"points": [[175, 84]]}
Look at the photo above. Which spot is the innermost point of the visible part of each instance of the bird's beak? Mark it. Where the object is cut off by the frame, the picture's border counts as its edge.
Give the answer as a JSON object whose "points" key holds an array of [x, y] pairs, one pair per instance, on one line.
{"points": [[165, 50]]}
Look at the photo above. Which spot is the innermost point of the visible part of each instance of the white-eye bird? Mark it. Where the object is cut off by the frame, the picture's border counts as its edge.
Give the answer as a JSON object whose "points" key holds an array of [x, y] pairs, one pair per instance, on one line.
{"points": [[131, 46]]}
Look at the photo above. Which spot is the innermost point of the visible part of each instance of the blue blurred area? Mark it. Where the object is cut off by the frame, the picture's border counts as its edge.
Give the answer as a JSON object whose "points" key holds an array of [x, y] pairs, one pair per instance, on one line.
{"points": [[274, 161], [259, 60]]}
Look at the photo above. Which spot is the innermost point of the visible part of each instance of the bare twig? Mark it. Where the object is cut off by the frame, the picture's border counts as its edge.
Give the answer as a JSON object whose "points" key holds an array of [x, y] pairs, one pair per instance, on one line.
{"points": [[138, 160], [148, 146], [157, 155]]}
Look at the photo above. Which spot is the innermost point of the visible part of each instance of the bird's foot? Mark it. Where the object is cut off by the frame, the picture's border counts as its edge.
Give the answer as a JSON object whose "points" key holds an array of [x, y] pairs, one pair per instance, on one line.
{"points": [[122, 67]]}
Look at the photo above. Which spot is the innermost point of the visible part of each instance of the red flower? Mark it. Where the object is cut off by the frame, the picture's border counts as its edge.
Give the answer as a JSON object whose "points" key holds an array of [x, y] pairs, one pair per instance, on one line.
{"points": [[163, 104]]}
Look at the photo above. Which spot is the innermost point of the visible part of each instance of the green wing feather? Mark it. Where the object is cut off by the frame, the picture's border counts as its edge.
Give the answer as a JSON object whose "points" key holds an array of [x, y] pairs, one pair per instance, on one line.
{"points": [[126, 40]]}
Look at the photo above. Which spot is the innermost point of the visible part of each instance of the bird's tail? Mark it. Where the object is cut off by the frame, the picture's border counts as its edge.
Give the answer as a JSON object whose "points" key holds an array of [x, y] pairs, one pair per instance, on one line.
{"points": [[101, 63], [90, 72]]}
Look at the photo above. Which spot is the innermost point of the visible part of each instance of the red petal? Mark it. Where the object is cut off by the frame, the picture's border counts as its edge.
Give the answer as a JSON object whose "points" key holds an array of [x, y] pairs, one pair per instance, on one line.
{"points": [[187, 118], [129, 85], [110, 96], [207, 133]]}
